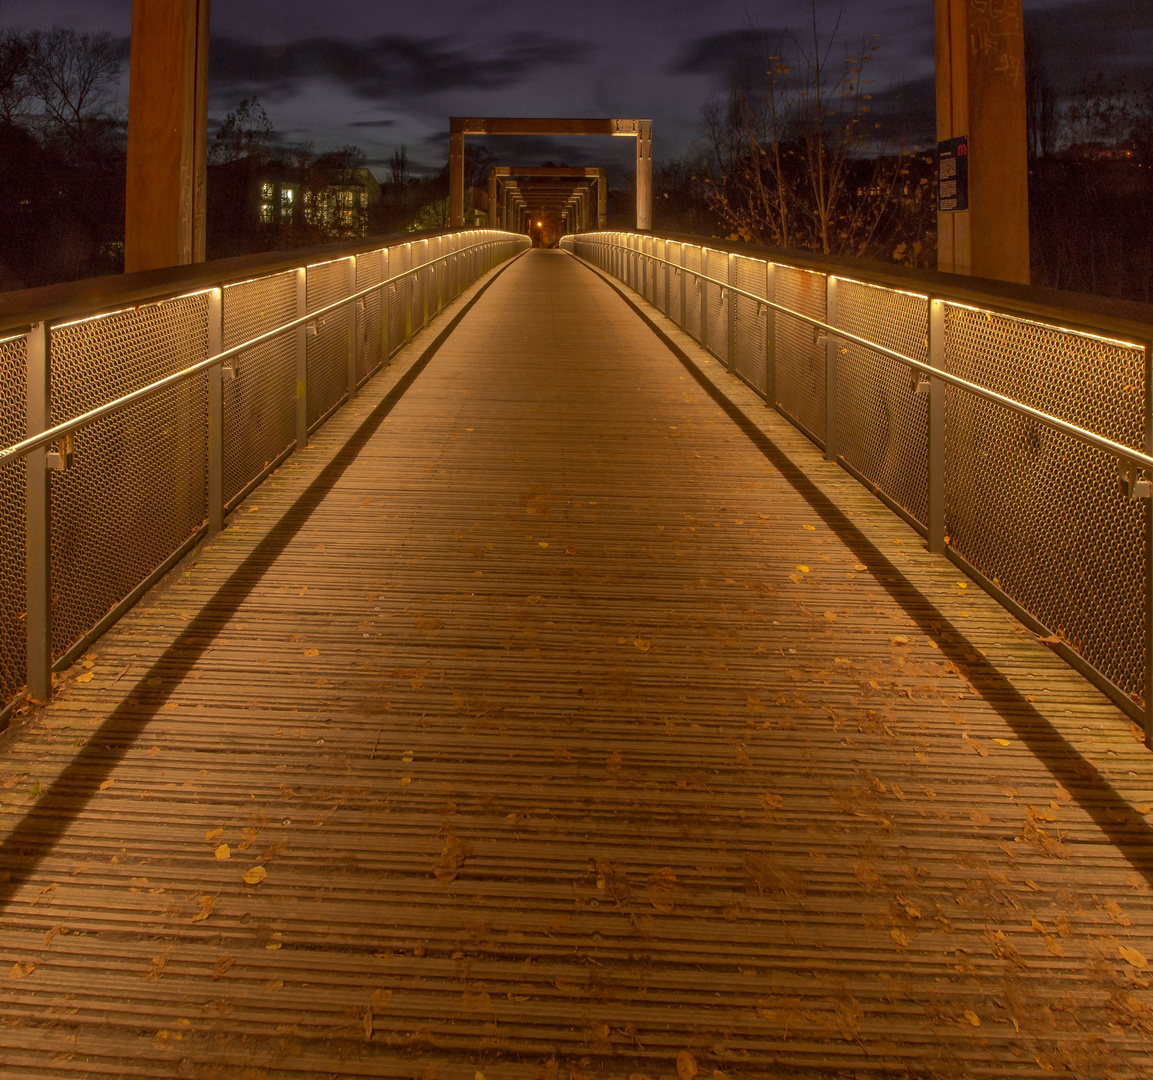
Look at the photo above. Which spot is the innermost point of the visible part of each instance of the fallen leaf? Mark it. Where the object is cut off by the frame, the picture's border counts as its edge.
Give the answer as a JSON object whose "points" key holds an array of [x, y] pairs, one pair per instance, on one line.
{"points": [[256, 875], [641, 644], [899, 937], [311, 652], [899, 639], [1003, 742], [533, 600], [771, 801], [212, 834], [223, 852], [686, 1065], [542, 543], [50, 934], [207, 903], [860, 567], [1132, 956], [368, 1025], [613, 762], [222, 965], [809, 528], [106, 784], [973, 1018], [803, 569], [831, 616], [86, 677], [451, 858], [975, 746], [898, 792]]}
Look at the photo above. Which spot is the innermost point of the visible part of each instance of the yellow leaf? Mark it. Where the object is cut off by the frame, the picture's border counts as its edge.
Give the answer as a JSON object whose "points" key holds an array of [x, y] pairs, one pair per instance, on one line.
{"points": [[212, 834], [770, 801], [368, 1025], [223, 852], [899, 937], [86, 677], [1132, 956], [106, 784], [1003, 742], [207, 903], [810, 528], [898, 792], [256, 875], [311, 652], [803, 569], [899, 639], [973, 1018], [542, 543], [533, 599], [686, 1065], [859, 567], [831, 616], [641, 644]]}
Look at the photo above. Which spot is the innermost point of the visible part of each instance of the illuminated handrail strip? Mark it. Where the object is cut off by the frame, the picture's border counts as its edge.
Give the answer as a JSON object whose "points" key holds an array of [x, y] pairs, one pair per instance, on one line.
{"points": [[67, 427], [1101, 442]]}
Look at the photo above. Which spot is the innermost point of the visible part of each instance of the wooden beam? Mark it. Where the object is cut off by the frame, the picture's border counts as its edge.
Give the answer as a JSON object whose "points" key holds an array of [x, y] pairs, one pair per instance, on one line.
{"points": [[167, 134], [981, 96]]}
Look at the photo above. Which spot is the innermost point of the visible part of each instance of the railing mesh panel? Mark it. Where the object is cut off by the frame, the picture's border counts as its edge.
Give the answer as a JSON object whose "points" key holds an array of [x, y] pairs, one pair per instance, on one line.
{"points": [[369, 347], [13, 428], [137, 489], [883, 424], [418, 283], [398, 301], [750, 328], [328, 347], [693, 284], [800, 356], [717, 267], [1039, 512], [260, 403], [676, 280]]}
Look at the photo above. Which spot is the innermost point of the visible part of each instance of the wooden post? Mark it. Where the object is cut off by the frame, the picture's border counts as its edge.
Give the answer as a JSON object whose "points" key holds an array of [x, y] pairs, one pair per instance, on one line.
{"points": [[456, 180], [167, 134], [981, 97]]}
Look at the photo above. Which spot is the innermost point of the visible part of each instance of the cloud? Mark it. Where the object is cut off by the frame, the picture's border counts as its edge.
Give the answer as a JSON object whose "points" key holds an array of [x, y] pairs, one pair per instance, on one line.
{"points": [[1083, 38], [372, 123], [394, 66], [736, 57]]}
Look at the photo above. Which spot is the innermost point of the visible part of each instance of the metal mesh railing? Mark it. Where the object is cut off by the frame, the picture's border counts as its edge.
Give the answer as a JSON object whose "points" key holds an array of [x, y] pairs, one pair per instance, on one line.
{"points": [[327, 339], [1033, 421], [883, 422], [134, 396], [260, 401], [1035, 511], [137, 489], [13, 427]]}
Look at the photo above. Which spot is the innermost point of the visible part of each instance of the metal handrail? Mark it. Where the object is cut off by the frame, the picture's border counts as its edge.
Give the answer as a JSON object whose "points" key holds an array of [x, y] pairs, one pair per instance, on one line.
{"points": [[67, 427], [1101, 442]]}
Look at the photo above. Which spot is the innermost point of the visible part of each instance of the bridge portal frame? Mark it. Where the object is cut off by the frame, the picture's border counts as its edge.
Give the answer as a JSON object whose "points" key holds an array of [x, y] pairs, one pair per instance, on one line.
{"points": [[639, 129], [509, 172]]}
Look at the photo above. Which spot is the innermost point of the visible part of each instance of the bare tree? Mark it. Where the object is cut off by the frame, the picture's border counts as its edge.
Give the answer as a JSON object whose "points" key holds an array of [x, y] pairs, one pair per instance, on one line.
{"points": [[798, 160], [246, 132], [74, 76], [15, 84], [398, 166]]}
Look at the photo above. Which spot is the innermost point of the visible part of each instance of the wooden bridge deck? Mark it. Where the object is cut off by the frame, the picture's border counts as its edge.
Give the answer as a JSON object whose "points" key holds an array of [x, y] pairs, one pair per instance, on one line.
{"points": [[561, 714]]}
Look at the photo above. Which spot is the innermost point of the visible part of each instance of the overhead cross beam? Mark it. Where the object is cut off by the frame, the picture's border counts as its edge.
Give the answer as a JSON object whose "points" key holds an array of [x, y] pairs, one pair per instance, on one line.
{"points": [[640, 130]]}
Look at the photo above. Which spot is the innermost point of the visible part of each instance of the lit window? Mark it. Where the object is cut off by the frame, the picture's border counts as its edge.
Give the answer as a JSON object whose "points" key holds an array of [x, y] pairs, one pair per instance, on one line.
{"points": [[287, 195], [266, 212], [364, 198], [266, 191]]}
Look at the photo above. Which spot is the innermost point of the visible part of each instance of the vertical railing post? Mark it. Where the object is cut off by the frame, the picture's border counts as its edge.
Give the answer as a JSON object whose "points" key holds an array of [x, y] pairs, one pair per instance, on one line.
{"points": [[684, 289], [731, 336], [1147, 719], [352, 335], [936, 522], [38, 516], [703, 290], [384, 289], [771, 334], [668, 278], [426, 283], [832, 351], [408, 279], [216, 412], [301, 360]]}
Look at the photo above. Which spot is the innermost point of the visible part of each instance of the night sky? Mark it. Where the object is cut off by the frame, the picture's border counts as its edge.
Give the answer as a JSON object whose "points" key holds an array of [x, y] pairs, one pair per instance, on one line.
{"points": [[379, 73]]}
